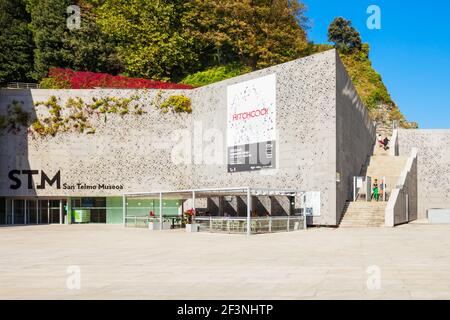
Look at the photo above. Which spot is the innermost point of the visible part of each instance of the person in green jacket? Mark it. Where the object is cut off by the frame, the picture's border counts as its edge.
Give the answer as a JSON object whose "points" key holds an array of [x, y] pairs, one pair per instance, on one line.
{"points": [[376, 190]]}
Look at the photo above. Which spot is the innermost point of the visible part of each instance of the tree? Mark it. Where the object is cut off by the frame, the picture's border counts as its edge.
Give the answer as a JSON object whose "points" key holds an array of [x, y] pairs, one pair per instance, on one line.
{"points": [[16, 47], [92, 50], [258, 33], [345, 37], [83, 49], [152, 37]]}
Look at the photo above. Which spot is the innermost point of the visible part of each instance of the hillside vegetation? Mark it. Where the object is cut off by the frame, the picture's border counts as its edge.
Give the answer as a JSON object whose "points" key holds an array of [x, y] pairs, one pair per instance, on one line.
{"points": [[195, 42], [371, 89]]}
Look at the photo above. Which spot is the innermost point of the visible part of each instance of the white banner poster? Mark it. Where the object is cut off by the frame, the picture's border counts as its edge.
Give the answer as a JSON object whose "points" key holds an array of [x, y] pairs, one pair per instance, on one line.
{"points": [[251, 124]]}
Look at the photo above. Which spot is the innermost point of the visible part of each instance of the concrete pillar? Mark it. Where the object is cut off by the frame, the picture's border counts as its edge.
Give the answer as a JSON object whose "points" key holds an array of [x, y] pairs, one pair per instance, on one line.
{"points": [[60, 211], [69, 210], [37, 211], [249, 212], [160, 211]]}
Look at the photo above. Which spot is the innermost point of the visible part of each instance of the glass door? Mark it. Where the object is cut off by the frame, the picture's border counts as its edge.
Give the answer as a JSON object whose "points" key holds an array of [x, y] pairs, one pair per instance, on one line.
{"points": [[19, 211], [31, 212], [44, 212], [9, 214], [54, 207], [2, 211]]}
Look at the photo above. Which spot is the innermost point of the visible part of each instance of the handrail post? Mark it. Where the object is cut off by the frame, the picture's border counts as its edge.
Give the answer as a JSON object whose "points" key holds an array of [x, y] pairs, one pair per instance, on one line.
{"points": [[305, 224], [124, 210], [249, 205], [270, 224], [193, 206], [160, 211]]}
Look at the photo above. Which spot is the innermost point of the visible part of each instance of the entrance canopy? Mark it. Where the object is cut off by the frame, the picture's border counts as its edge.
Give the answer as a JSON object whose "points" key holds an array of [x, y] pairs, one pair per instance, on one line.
{"points": [[243, 192], [215, 192]]}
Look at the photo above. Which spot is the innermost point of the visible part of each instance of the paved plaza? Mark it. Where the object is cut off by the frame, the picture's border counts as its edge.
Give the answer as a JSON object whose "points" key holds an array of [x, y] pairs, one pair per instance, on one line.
{"points": [[412, 262]]}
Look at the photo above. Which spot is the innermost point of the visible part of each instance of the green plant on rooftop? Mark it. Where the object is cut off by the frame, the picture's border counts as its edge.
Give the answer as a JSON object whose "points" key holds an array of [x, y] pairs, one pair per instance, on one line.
{"points": [[54, 83], [216, 74], [15, 119], [3, 123], [176, 104], [76, 114]]}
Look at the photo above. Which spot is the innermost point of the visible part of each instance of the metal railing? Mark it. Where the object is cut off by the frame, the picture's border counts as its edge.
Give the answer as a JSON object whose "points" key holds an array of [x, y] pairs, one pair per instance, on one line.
{"points": [[257, 225], [143, 221], [363, 186], [22, 85]]}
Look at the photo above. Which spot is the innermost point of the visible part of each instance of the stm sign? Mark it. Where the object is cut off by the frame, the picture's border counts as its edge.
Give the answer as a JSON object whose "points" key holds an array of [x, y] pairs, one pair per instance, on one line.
{"points": [[14, 176]]}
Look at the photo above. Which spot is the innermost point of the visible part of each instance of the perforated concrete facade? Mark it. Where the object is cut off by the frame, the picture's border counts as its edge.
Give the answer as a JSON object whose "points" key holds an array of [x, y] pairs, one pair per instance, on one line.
{"points": [[433, 166], [324, 138]]}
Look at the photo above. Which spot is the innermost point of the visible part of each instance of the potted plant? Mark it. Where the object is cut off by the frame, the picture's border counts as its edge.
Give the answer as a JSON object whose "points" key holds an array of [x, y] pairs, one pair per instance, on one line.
{"points": [[154, 223], [189, 216]]}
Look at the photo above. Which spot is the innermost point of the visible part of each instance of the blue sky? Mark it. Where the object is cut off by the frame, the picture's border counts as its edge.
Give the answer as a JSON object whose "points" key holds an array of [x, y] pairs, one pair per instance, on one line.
{"points": [[411, 51]]}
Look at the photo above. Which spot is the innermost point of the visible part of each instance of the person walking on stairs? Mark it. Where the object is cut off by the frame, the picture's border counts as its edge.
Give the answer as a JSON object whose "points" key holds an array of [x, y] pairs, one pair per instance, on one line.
{"points": [[386, 143], [380, 140], [376, 190]]}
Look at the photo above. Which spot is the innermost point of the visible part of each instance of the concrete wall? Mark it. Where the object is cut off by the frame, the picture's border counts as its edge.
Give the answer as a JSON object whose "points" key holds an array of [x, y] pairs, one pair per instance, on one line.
{"points": [[133, 151], [402, 205], [433, 166], [355, 136], [322, 128], [306, 124]]}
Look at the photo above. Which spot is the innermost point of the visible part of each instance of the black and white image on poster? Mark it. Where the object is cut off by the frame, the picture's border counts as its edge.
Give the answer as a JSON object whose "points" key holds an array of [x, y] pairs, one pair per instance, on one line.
{"points": [[251, 125]]}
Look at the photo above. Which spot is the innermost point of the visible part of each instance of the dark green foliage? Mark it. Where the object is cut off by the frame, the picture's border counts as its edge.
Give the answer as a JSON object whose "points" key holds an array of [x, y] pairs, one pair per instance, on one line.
{"points": [[153, 37], [199, 41], [48, 23], [16, 44], [345, 37], [84, 49], [258, 34]]}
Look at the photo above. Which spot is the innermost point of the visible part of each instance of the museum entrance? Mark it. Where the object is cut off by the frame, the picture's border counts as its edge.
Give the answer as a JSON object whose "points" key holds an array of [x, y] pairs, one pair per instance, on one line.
{"points": [[89, 210], [32, 211]]}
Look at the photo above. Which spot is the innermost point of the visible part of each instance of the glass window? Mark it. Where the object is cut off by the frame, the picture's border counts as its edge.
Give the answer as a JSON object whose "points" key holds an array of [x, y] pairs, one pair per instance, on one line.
{"points": [[2, 211], [89, 202], [44, 211], [76, 202], [19, 211]]}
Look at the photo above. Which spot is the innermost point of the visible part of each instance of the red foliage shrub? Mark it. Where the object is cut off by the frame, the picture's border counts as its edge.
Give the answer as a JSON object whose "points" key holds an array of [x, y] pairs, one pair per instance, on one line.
{"points": [[89, 80]]}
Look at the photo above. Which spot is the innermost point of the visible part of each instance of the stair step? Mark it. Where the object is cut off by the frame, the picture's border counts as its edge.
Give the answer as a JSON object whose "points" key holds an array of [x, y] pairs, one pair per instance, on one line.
{"points": [[367, 213], [363, 226], [363, 214], [348, 223], [363, 219]]}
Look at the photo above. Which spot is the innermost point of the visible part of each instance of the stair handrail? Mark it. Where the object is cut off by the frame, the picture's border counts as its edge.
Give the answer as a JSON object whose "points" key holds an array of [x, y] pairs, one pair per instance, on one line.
{"points": [[394, 144], [400, 186]]}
